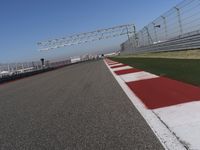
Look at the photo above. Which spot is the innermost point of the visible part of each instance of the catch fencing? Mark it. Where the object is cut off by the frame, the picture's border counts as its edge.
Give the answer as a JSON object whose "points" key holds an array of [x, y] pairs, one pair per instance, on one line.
{"points": [[177, 29]]}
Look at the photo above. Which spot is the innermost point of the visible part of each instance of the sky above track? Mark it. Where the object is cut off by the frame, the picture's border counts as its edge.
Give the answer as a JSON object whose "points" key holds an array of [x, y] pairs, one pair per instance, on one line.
{"points": [[25, 22]]}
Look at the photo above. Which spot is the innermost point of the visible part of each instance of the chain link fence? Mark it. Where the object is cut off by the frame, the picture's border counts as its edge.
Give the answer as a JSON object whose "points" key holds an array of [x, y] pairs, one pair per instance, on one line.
{"points": [[177, 29]]}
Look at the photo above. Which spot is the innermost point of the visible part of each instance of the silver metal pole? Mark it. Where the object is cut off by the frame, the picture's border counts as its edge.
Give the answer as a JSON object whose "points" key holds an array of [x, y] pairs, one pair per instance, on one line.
{"points": [[165, 26], [142, 43], [136, 37], [179, 20], [16, 67], [128, 33], [155, 32], [149, 36], [8, 68], [129, 39]]}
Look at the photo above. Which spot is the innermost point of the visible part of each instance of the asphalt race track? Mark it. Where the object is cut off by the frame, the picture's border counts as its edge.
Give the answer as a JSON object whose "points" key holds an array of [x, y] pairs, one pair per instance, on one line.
{"points": [[73, 108]]}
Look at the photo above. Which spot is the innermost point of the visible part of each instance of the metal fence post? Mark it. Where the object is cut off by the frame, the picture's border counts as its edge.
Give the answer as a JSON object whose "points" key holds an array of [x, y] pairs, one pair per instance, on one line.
{"points": [[179, 20], [165, 26], [22, 66], [155, 32], [142, 38], [149, 36], [8, 68], [129, 39], [128, 33], [135, 37], [16, 67]]}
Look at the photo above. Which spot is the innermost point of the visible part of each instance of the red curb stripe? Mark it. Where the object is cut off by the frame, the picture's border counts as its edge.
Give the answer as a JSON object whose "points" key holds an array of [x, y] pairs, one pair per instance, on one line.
{"points": [[127, 71], [162, 92], [119, 66]]}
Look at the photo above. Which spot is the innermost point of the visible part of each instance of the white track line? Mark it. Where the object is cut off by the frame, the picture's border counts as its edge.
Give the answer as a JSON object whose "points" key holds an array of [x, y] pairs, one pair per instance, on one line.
{"points": [[121, 68], [166, 137], [116, 65], [142, 75]]}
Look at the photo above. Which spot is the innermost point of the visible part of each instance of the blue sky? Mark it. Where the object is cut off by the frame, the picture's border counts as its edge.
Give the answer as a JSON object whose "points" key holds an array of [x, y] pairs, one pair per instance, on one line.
{"points": [[25, 22]]}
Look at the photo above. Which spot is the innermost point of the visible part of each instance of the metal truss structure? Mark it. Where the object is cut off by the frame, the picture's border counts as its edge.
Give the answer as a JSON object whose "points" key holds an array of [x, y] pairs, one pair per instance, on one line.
{"points": [[88, 37]]}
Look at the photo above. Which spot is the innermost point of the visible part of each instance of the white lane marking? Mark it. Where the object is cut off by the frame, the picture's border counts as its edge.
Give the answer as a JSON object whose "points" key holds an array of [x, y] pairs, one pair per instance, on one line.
{"points": [[142, 75], [116, 65], [121, 68], [184, 121], [167, 139]]}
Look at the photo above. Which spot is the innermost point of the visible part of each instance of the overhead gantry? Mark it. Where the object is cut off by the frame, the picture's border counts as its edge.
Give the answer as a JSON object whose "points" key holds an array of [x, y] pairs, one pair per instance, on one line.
{"points": [[81, 38]]}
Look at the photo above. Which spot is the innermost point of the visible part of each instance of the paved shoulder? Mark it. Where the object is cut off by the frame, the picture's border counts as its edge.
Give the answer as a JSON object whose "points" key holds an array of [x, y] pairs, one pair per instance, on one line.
{"points": [[77, 107]]}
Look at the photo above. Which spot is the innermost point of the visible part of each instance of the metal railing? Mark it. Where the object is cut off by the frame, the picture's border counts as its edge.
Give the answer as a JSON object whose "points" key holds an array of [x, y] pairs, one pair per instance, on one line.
{"points": [[18, 70], [12, 69]]}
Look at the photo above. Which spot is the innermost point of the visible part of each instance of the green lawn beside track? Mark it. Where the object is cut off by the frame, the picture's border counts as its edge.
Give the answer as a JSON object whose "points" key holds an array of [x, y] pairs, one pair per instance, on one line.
{"points": [[187, 70]]}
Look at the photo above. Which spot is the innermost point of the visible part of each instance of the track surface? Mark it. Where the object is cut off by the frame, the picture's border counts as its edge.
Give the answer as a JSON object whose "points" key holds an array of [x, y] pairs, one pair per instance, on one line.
{"points": [[73, 108]]}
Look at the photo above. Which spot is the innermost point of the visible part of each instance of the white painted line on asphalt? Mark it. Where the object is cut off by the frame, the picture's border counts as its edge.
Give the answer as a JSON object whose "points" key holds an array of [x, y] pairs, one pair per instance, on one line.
{"points": [[121, 68], [165, 136], [184, 121], [137, 76]]}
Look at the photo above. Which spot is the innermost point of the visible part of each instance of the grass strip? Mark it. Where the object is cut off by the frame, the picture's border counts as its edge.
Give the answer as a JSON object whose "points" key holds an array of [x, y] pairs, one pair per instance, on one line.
{"points": [[186, 70]]}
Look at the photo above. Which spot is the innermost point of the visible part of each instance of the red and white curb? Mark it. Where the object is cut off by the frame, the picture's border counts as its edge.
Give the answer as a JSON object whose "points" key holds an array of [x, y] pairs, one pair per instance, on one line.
{"points": [[171, 108]]}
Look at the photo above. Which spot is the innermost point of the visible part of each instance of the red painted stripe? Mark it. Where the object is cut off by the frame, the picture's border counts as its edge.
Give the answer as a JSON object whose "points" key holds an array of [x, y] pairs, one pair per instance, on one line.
{"points": [[119, 66], [163, 92], [121, 72]]}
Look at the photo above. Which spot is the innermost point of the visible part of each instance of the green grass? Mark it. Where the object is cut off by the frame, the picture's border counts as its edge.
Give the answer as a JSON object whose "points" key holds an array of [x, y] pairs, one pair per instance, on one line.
{"points": [[184, 54], [187, 70]]}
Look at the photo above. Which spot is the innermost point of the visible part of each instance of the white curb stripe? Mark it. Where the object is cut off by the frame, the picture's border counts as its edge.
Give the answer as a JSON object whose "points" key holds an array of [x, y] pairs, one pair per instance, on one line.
{"points": [[137, 76], [168, 140], [116, 65], [184, 121], [112, 63], [121, 68]]}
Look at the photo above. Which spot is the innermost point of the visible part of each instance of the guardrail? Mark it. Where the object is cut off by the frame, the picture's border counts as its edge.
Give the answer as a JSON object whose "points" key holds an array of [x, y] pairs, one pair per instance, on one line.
{"points": [[39, 69], [189, 41]]}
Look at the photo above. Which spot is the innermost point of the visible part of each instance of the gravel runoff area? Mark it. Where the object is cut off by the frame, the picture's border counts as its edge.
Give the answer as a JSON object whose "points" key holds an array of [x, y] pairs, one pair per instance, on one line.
{"points": [[73, 108]]}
